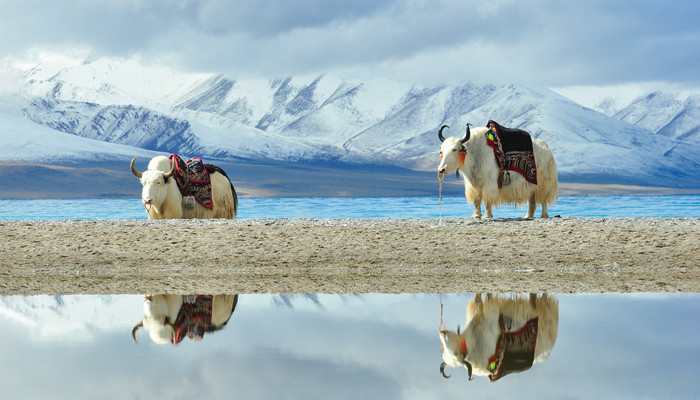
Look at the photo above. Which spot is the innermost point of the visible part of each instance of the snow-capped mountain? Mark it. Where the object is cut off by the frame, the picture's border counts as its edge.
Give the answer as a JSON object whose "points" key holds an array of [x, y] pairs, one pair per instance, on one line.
{"points": [[674, 115], [307, 119]]}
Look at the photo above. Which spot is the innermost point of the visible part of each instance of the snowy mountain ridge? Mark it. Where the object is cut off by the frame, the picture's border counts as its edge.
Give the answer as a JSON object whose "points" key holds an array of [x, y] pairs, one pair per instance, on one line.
{"points": [[307, 119], [674, 115]]}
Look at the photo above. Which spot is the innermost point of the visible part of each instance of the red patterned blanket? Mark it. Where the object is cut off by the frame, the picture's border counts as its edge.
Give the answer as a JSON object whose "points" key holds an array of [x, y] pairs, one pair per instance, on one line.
{"points": [[513, 151], [515, 351], [194, 319], [193, 179]]}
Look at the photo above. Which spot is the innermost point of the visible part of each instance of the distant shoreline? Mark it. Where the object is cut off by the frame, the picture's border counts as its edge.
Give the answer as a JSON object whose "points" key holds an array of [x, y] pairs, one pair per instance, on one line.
{"points": [[557, 255], [114, 180], [591, 189]]}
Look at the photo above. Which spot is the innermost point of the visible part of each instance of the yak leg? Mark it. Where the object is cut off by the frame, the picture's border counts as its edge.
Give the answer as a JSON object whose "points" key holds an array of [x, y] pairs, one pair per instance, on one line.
{"points": [[544, 214], [489, 213], [531, 207], [477, 208]]}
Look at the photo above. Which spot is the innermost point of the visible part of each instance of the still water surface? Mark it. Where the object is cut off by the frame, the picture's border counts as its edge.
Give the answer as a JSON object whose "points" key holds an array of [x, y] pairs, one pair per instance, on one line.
{"points": [[342, 346], [363, 207]]}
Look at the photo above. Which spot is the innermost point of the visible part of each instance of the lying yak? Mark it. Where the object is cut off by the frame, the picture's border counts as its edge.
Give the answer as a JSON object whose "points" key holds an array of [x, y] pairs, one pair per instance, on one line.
{"points": [[173, 188], [503, 335], [499, 166], [169, 318]]}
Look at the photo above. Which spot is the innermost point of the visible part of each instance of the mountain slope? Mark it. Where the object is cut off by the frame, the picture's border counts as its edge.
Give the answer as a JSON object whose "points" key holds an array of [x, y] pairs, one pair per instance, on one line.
{"points": [[674, 115], [329, 119]]}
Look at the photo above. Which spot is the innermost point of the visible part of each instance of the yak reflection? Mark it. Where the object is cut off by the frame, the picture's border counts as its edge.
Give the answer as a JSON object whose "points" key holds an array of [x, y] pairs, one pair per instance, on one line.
{"points": [[503, 334], [170, 318]]}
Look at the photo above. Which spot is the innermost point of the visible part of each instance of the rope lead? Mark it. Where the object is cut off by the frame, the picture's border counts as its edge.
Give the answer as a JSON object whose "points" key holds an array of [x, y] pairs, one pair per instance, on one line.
{"points": [[441, 177]]}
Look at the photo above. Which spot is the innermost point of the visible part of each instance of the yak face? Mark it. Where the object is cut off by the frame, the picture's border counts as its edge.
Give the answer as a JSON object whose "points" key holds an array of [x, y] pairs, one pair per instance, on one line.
{"points": [[155, 180], [154, 187], [155, 307], [452, 155], [155, 320], [454, 352], [454, 348], [159, 332]]}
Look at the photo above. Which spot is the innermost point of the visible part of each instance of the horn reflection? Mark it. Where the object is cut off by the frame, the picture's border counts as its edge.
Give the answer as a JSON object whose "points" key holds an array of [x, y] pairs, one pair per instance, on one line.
{"points": [[171, 318], [503, 334]]}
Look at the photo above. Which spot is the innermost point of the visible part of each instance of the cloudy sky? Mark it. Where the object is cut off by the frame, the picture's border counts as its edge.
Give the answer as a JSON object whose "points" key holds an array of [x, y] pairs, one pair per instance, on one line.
{"points": [[596, 43]]}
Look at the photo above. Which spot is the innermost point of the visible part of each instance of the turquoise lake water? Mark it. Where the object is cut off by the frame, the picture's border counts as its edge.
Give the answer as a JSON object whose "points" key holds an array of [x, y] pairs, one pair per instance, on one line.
{"points": [[363, 207]]}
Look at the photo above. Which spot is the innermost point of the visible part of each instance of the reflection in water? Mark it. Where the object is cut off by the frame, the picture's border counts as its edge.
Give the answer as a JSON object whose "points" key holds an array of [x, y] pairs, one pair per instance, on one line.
{"points": [[502, 335], [617, 346], [169, 318]]}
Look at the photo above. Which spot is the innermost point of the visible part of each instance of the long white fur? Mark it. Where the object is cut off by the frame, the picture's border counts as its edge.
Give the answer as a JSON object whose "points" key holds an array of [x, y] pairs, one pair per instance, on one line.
{"points": [[159, 306], [156, 308], [480, 175], [166, 199], [482, 329]]}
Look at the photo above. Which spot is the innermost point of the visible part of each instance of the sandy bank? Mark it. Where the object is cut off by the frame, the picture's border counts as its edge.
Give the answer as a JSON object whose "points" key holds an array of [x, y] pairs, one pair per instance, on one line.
{"points": [[560, 255]]}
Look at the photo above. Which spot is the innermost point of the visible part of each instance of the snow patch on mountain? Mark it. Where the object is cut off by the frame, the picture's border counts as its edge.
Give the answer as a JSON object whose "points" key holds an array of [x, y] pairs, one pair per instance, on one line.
{"points": [[308, 119], [674, 115], [22, 140]]}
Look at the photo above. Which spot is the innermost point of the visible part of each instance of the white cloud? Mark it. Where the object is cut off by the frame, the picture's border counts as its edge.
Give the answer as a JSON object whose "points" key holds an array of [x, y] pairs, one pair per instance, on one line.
{"points": [[552, 43]]}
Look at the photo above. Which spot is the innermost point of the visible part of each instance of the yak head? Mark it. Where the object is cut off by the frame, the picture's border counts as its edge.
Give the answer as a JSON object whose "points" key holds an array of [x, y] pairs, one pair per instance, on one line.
{"points": [[155, 320], [154, 180], [454, 351], [452, 151]]}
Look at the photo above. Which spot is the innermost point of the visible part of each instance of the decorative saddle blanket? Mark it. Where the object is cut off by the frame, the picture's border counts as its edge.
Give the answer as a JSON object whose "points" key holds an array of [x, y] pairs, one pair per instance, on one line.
{"points": [[515, 351], [513, 151], [193, 179], [194, 319]]}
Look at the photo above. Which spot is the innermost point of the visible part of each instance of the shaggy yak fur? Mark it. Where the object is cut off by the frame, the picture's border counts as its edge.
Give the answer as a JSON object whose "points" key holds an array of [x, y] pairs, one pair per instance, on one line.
{"points": [[472, 347], [474, 160], [163, 199]]}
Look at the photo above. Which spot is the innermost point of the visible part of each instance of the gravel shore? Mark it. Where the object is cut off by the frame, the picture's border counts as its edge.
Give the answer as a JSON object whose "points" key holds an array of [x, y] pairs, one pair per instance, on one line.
{"points": [[557, 255]]}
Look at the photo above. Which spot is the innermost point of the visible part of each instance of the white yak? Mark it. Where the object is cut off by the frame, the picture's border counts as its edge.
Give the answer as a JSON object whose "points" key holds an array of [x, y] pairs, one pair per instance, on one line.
{"points": [[163, 199], [473, 158], [502, 334], [168, 318]]}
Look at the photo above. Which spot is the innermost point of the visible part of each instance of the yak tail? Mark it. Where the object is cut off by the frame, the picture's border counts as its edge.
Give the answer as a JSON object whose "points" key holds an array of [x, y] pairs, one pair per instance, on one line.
{"points": [[235, 200], [548, 183], [213, 168]]}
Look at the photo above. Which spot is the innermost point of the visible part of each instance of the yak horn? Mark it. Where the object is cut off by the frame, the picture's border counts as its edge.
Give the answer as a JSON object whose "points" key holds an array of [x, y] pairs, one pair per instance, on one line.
{"points": [[469, 370], [442, 370], [466, 135], [172, 170], [133, 332], [133, 169], [442, 138]]}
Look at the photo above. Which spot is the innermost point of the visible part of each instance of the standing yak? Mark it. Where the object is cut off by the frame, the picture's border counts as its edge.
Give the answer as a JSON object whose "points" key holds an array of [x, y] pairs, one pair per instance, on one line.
{"points": [[501, 165], [503, 334]]}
